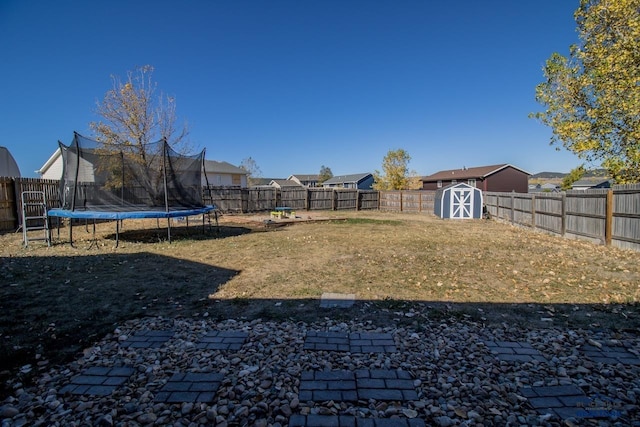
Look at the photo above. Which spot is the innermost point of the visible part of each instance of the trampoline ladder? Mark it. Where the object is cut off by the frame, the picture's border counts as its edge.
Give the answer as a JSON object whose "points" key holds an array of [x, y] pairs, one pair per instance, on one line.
{"points": [[34, 216]]}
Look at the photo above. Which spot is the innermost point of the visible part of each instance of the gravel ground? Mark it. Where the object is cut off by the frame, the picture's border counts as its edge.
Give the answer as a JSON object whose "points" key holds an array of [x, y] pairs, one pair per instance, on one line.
{"points": [[458, 379]]}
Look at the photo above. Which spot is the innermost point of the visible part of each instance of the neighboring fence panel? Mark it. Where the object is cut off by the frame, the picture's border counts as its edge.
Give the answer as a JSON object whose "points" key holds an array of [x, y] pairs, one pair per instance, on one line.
{"points": [[523, 208], [8, 208], [549, 212], [346, 199], [390, 201], [609, 217], [407, 201], [625, 227], [586, 214], [261, 199], [294, 198], [226, 199], [320, 199], [369, 199], [51, 190]]}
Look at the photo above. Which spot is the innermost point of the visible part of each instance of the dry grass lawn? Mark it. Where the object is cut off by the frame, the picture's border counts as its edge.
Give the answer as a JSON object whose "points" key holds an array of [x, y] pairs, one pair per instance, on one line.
{"points": [[57, 300]]}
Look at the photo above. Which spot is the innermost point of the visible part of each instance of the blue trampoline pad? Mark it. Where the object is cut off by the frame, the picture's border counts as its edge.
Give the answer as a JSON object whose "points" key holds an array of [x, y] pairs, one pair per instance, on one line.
{"points": [[119, 215]]}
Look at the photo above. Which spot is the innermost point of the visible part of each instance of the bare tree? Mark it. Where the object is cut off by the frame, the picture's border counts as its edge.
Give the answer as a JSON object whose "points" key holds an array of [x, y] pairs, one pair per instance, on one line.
{"points": [[133, 116], [253, 170]]}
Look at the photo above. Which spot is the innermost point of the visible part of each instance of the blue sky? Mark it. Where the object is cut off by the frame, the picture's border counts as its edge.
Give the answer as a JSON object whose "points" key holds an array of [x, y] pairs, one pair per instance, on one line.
{"points": [[295, 84]]}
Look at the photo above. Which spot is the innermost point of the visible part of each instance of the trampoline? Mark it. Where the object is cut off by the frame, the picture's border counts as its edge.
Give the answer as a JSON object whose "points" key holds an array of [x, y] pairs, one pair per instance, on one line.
{"points": [[118, 181], [120, 216]]}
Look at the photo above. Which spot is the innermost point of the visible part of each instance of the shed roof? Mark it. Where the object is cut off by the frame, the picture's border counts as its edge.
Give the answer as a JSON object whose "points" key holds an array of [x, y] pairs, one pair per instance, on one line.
{"points": [[470, 173]]}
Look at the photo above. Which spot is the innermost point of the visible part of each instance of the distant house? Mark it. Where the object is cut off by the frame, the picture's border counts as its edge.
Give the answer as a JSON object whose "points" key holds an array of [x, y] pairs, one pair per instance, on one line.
{"points": [[223, 174], [361, 181], [546, 188], [502, 178], [590, 184], [219, 174], [52, 168], [261, 182], [283, 183], [306, 180]]}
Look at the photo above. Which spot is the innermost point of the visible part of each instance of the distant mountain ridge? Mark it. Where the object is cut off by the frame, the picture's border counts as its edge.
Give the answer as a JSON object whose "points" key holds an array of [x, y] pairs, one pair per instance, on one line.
{"points": [[595, 173]]}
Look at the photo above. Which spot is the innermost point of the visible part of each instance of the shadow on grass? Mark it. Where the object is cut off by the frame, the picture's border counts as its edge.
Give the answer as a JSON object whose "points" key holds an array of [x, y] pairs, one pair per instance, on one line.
{"points": [[53, 307], [180, 231], [153, 235]]}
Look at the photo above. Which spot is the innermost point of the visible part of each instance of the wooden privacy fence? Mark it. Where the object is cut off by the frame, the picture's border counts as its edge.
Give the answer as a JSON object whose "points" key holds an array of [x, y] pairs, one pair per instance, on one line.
{"points": [[226, 199], [243, 200], [11, 203], [407, 201], [610, 217]]}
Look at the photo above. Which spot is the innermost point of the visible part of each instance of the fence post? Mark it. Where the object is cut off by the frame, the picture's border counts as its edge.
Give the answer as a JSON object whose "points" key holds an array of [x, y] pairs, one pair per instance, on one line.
{"points": [[420, 202], [358, 201], [533, 211], [608, 228], [513, 212], [401, 201], [563, 226], [334, 202]]}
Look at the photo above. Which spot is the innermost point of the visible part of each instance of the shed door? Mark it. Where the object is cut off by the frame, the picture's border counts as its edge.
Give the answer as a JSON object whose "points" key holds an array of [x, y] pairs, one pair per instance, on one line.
{"points": [[462, 203]]}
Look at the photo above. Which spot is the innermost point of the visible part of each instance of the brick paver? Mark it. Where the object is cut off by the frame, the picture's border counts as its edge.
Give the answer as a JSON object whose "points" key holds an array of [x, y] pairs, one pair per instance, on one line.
{"points": [[98, 380], [610, 355], [514, 351], [190, 387], [357, 342], [349, 421], [564, 401], [363, 384], [334, 300], [147, 339], [222, 340]]}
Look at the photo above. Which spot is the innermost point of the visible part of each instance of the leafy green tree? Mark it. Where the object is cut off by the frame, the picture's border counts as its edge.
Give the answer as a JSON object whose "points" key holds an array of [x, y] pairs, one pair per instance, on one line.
{"points": [[325, 174], [396, 174], [253, 170], [574, 175], [592, 97]]}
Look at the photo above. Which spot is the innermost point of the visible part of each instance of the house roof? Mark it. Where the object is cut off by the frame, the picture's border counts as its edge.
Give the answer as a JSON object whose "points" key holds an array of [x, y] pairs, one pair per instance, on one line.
{"points": [[284, 183], [589, 183], [469, 173], [256, 182], [212, 166], [341, 179], [305, 177]]}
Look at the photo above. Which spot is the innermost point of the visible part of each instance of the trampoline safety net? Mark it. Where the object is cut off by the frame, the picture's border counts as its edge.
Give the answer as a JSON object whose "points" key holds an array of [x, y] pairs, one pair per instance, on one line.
{"points": [[126, 177]]}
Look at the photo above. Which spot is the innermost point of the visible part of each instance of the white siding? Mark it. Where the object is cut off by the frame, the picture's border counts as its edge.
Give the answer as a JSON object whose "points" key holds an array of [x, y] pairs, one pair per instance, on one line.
{"points": [[54, 171]]}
